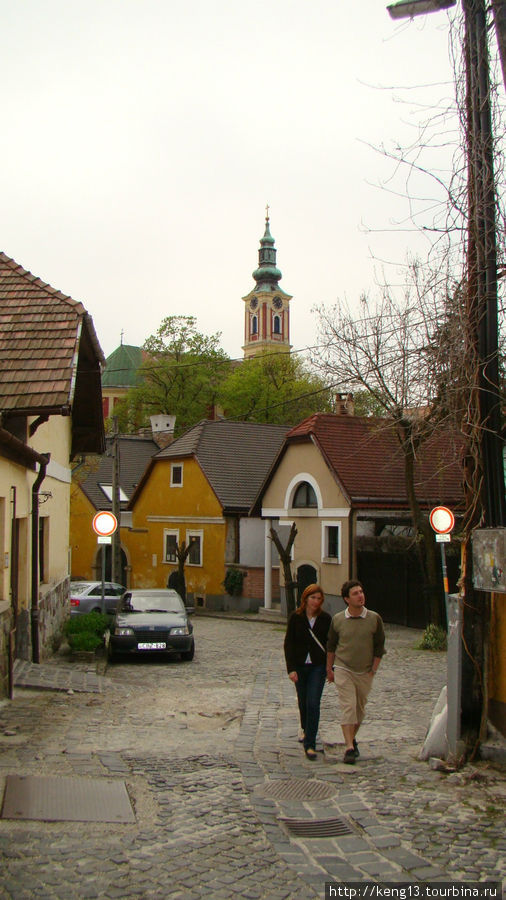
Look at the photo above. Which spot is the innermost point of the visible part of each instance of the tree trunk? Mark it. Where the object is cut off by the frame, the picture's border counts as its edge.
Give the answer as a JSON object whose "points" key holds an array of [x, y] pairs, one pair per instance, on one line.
{"points": [[285, 555]]}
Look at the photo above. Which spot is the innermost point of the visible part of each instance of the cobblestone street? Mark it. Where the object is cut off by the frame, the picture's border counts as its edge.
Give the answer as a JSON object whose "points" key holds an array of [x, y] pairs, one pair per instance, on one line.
{"points": [[207, 748]]}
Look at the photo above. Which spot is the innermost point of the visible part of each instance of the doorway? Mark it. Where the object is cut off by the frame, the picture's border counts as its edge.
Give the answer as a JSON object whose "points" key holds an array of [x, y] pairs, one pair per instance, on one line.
{"points": [[306, 574]]}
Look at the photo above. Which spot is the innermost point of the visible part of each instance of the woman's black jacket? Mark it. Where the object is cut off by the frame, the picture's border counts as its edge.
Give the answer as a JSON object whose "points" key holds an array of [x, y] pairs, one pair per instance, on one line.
{"points": [[298, 640]]}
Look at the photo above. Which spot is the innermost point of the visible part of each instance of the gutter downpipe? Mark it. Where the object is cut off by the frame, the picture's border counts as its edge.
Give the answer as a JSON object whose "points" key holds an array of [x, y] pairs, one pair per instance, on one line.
{"points": [[34, 612]]}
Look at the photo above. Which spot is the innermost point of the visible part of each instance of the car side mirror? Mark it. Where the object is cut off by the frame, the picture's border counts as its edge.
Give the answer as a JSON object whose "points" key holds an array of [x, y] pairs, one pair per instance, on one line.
{"points": [[189, 610]]}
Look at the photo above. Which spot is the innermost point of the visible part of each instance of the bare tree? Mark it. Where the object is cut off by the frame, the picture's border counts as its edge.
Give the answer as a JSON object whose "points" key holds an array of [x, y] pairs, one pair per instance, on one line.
{"points": [[285, 555], [394, 351]]}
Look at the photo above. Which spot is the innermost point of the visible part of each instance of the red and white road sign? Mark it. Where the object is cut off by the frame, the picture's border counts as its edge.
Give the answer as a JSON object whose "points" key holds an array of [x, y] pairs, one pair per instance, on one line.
{"points": [[104, 523], [442, 520]]}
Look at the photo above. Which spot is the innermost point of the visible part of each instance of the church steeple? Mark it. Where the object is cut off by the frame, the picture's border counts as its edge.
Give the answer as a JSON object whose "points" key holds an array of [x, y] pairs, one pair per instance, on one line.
{"points": [[267, 306], [267, 275]]}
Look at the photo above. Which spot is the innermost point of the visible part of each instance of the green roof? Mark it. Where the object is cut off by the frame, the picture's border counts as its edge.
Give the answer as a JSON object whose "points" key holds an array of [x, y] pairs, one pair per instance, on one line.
{"points": [[121, 366]]}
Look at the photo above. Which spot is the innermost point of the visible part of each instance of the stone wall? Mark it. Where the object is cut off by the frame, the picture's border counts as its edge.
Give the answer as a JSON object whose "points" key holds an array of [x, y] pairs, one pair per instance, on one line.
{"points": [[5, 627], [53, 612]]}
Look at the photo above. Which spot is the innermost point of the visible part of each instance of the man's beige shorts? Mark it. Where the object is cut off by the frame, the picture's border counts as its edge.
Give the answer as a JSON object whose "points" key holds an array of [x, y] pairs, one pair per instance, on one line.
{"points": [[353, 690]]}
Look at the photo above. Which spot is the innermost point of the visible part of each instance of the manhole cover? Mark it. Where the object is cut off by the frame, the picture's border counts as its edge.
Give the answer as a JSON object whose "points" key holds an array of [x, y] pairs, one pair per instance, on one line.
{"points": [[316, 827], [296, 789], [53, 799]]}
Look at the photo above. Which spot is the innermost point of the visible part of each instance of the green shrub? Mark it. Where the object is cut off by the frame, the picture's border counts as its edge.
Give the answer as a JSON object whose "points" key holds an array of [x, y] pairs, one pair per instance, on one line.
{"points": [[433, 638], [233, 582], [84, 640], [92, 623]]}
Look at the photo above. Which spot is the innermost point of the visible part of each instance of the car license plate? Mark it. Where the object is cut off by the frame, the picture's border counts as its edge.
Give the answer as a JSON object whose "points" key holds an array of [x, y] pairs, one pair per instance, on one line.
{"points": [[151, 646]]}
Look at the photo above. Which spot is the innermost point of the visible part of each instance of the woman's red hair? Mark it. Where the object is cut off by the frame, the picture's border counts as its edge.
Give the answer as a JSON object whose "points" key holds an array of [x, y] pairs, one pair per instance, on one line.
{"points": [[311, 589]]}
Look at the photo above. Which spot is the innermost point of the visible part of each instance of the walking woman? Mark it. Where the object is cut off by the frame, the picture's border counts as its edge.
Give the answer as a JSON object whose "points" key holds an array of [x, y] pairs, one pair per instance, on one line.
{"points": [[306, 654]]}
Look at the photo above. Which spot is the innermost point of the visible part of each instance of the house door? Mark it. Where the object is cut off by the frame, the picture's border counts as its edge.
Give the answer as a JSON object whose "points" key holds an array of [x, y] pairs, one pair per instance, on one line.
{"points": [[305, 575]]}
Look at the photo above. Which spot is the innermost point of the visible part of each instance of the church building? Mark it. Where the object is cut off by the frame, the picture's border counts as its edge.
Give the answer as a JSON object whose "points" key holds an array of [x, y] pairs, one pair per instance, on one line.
{"points": [[267, 306]]}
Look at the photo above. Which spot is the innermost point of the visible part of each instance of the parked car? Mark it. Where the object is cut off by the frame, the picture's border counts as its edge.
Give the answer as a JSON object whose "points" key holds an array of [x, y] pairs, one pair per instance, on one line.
{"points": [[152, 621], [86, 596]]}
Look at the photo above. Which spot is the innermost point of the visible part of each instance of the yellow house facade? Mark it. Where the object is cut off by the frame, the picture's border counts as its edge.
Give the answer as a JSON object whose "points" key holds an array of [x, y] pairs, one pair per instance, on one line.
{"points": [[176, 505], [200, 490]]}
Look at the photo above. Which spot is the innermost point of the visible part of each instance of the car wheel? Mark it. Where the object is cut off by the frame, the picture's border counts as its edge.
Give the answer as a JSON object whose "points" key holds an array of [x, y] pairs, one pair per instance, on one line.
{"points": [[188, 655], [96, 609]]}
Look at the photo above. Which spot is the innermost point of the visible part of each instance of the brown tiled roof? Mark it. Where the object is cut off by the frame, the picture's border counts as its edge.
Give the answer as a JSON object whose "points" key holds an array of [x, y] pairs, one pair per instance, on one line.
{"points": [[366, 459], [234, 456], [42, 331]]}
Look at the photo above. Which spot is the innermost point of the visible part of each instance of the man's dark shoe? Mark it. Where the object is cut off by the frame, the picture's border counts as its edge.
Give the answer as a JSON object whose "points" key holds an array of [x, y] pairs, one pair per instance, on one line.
{"points": [[349, 757], [310, 753], [355, 749]]}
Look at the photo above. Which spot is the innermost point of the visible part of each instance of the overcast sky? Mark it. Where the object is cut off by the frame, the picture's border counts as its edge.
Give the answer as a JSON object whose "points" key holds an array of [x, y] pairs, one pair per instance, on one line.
{"points": [[142, 139]]}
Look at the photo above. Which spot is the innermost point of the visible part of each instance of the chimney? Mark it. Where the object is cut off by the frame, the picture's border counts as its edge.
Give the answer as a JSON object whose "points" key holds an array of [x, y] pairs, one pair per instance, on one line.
{"points": [[162, 428], [344, 405]]}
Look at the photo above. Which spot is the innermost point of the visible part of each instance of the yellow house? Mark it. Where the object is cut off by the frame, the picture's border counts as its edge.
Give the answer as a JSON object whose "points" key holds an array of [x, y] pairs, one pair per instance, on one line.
{"points": [[51, 412], [92, 487], [200, 489]]}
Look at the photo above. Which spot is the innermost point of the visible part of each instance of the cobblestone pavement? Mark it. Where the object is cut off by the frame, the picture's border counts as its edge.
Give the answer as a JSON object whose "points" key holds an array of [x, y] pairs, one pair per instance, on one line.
{"points": [[209, 754]]}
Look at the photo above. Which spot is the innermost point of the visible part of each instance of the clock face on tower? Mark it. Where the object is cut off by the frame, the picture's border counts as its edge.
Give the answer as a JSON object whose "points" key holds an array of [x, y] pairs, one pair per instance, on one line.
{"points": [[277, 303], [253, 303]]}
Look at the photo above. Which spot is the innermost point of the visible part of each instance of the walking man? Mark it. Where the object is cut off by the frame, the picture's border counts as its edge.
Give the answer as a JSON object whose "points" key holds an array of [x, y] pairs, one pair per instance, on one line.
{"points": [[355, 645]]}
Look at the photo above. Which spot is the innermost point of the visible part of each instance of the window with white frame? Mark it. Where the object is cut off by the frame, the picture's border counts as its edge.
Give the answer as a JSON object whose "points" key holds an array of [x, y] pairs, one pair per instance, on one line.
{"points": [[195, 539], [176, 474], [170, 542], [331, 542]]}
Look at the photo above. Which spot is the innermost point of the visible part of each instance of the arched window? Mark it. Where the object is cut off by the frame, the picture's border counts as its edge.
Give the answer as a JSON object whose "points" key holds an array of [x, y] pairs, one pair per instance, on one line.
{"points": [[276, 325], [305, 497], [254, 325]]}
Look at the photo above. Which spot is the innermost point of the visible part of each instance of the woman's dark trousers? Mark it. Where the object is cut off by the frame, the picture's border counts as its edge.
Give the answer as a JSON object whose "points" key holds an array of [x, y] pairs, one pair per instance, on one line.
{"points": [[309, 685]]}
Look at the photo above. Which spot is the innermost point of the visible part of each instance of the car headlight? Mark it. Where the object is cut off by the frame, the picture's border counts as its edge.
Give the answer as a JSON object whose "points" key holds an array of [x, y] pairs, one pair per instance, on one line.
{"points": [[181, 629], [122, 632]]}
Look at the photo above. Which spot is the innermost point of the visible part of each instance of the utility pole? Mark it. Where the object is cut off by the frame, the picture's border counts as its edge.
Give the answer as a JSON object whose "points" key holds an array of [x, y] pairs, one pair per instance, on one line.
{"points": [[116, 509], [485, 501], [499, 10]]}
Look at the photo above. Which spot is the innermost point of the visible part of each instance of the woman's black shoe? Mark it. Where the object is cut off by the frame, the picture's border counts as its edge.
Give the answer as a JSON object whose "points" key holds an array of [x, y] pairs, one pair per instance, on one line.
{"points": [[349, 757]]}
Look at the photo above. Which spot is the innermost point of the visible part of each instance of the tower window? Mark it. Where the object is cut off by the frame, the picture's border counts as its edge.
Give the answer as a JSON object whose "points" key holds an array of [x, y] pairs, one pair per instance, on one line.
{"points": [[254, 325], [276, 325]]}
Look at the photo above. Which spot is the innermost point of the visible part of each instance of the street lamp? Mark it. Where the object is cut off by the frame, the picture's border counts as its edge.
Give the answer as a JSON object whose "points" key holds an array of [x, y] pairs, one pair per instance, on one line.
{"points": [[407, 9]]}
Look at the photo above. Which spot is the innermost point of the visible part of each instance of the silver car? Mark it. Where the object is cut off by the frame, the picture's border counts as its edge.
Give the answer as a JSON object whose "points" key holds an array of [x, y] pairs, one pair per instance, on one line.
{"points": [[86, 596]]}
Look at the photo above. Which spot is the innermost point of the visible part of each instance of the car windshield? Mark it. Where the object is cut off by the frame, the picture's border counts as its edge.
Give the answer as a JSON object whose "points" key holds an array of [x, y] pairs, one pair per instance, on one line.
{"points": [[78, 587], [145, 603]]}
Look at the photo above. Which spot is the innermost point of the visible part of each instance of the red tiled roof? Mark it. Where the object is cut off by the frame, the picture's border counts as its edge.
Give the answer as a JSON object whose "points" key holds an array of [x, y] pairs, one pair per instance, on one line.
{"points": [[366, 458], [41, 332]]}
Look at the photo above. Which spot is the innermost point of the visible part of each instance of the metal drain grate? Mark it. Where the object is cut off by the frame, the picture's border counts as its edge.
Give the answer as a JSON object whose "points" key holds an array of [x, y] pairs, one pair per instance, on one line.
{"points": [[296, 789], [57, 799], [314, 828]]}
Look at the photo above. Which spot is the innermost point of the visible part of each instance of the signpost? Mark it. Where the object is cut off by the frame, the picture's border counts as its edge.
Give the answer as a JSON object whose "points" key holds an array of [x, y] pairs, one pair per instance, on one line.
{"points": [[104, 525], [442, 522]]}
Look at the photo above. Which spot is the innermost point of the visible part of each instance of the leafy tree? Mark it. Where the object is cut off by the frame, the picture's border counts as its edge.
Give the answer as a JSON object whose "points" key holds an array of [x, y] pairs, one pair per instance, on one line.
{"points": [[276, 388], [180, 376]]}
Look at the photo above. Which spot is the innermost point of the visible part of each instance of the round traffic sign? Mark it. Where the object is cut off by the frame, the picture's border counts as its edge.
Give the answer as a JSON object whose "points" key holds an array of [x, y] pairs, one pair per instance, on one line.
{"points": [[105, 523], [442, 520]]}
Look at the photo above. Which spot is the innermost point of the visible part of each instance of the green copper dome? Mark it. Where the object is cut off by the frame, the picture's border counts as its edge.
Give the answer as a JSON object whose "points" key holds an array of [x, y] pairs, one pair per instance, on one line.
{"points": [[267, 275]]}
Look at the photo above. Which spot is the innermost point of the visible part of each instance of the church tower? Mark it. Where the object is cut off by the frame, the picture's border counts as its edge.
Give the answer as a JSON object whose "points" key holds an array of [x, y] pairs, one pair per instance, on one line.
{"points": [[267, 306]]}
